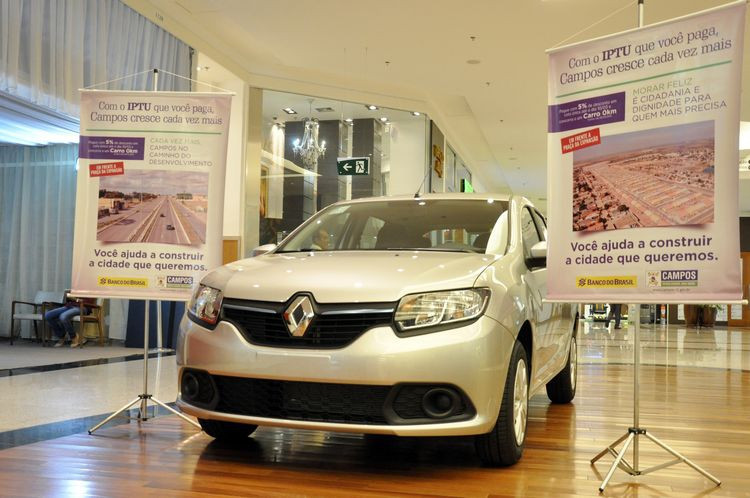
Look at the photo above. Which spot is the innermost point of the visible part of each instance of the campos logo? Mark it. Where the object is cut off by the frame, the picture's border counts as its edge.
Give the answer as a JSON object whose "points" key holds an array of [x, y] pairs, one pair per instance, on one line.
{"points": [[654, 278], [175, 281], [673, 278]]}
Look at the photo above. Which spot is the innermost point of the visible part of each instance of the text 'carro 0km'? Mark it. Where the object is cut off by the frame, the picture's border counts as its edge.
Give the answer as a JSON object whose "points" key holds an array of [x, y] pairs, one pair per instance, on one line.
{"points": [[409, 316]]}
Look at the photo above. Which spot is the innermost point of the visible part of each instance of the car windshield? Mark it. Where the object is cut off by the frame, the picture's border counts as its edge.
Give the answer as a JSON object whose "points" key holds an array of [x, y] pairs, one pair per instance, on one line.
{"points": [[460, 225]]}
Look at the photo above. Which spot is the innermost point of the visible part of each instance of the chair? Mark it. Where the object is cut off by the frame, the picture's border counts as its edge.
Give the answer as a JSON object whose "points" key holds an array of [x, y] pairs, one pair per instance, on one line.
{"points": [[397, 237], [96, 316], [43, 301], [481, 241]]}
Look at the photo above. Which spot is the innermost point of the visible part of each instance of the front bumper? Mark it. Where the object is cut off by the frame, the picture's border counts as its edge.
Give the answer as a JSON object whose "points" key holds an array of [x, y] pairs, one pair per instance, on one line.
{"points": [[473, 358]]}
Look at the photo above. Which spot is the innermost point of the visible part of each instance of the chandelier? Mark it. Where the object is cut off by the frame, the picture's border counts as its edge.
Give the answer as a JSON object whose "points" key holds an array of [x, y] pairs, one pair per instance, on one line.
{"points": [[309, 149]]}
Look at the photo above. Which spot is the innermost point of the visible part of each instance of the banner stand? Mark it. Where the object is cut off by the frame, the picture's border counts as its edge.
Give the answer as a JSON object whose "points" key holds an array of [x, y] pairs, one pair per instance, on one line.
{"points": [[633, 433], [145, 397]]}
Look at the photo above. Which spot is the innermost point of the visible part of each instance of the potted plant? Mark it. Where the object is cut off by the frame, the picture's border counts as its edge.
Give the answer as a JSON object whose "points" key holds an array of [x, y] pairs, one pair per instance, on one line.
{"points": [[707, 314]]}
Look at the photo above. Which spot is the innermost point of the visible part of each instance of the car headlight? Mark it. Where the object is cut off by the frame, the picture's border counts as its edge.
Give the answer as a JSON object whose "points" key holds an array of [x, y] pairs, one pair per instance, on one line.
{"points": [[205, 305], [418, 311]]}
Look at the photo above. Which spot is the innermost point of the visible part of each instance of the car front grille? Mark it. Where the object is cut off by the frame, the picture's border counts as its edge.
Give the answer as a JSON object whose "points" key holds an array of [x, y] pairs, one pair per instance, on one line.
{"points": [[310, 401], [334, 326]]}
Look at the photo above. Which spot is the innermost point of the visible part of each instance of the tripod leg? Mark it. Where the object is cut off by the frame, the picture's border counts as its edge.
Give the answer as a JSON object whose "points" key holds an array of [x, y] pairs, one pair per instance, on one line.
{"points": [[181, 415], [675, 453], [136, 400], [616, 463], [606, 450]]}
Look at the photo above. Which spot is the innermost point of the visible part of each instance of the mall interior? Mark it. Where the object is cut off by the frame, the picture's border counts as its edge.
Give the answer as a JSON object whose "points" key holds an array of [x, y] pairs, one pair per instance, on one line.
{"points": [[443, 97]]}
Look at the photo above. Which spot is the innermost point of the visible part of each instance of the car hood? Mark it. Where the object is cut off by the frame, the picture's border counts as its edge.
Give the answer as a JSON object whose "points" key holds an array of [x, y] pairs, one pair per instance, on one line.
{"points": [[347, 276]]}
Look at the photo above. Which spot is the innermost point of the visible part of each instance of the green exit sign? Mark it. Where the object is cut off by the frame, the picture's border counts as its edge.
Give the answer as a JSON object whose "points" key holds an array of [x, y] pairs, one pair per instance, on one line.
{"points": [[352, 166], [466, 186]]}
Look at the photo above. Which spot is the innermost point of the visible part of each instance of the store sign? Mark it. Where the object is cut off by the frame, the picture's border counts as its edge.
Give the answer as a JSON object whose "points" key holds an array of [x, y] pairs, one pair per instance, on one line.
{"points": [[642, 163], [353, 166], [150, 192]]}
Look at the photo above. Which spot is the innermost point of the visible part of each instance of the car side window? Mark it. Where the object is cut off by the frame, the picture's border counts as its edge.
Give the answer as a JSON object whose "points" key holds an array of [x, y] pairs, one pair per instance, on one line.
{"points": [[529, 232]]}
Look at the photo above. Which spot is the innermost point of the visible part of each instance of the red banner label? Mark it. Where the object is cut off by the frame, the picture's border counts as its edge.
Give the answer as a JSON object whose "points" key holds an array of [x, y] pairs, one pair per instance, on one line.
{"points": [[580, 140], [107, 169]]}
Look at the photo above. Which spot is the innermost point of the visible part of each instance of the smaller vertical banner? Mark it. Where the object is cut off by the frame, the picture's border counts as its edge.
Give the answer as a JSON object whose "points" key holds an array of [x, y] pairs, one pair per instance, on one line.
{"points": [[150, 192]]}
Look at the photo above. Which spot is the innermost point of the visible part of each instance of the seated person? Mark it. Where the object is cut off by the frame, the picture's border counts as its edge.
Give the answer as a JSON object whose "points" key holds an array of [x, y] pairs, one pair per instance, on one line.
{"points": [[59, 320], [320, 240]]}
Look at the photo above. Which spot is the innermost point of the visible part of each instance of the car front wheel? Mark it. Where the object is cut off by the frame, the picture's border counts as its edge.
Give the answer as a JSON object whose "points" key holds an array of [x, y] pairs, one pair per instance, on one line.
{"points": [[226, 431], [503, 445]]}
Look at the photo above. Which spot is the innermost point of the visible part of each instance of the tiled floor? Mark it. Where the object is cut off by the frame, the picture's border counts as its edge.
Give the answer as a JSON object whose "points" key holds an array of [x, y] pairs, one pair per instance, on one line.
{"points": [[55, 396], [718, 347]]}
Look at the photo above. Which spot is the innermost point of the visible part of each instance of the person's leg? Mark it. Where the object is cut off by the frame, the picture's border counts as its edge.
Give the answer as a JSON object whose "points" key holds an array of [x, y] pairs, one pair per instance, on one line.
{"points": [[52, 317], [65, 319], [618, 310]]}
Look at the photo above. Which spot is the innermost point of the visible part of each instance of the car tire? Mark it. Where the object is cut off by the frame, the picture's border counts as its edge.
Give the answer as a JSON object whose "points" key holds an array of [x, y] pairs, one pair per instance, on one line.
{"points": [[503, 446], [562, 387], [226, 431]]}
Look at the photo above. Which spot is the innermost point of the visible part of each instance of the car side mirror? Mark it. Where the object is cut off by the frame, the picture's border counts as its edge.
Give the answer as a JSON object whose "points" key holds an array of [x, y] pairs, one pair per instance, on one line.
{"points": [[262, 249], [538, 258]]}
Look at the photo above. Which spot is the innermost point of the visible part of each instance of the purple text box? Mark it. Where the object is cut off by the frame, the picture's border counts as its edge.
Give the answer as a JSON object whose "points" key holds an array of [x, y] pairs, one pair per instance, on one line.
{"points": [[111, 148], [586, 112]]}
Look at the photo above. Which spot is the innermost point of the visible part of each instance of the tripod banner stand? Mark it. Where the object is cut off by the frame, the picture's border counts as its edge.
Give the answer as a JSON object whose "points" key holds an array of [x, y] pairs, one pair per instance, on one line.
{"points": [[150, 198], [642, 175]]}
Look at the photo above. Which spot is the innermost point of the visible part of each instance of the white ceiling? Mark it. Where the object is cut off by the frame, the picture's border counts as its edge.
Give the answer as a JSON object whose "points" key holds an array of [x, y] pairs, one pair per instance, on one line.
{"points": [[494, 112]]}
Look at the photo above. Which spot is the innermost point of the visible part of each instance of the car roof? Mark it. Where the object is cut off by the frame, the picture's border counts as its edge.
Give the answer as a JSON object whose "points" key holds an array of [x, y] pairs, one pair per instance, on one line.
{"points": [[440, 196]]}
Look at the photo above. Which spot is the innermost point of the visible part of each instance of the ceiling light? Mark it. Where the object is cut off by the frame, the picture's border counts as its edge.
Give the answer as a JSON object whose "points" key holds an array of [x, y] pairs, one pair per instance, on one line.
{"points": [[384, 119], [202, 68], [349, 120], [324, 109], [416, 113], [371, 107], [289, 110]]}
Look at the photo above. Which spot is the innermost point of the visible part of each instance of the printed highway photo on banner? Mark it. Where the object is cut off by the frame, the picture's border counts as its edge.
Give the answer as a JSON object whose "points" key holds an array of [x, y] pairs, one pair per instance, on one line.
{"points": [[150, 192], [642, 152]]}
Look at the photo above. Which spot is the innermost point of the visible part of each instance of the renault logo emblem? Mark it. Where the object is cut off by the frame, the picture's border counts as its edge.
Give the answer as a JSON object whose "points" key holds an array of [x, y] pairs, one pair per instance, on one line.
{"points": [[298, 316]]}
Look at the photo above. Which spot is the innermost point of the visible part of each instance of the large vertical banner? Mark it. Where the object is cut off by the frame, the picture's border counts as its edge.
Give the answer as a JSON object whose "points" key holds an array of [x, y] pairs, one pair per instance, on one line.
{"points": [[642, 159], [150, 192]]}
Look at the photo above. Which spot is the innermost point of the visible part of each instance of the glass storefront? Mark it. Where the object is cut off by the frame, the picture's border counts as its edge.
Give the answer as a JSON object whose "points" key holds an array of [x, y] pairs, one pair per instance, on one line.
{"points": [[304, 136]]}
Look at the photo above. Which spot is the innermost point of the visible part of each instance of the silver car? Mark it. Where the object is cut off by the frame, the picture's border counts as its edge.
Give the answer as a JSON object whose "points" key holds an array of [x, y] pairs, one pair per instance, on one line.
{"points": [[409, 316]]}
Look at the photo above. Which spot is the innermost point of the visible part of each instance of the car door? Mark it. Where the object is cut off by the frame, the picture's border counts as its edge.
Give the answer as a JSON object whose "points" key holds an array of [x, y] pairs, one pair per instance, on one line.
{"points": [[536, 284], [562, 320]]}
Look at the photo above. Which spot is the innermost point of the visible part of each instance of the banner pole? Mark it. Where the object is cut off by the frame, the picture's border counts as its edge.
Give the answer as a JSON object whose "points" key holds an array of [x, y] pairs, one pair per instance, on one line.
{"points": [[637, 338], [144, 406], [636, 381]]}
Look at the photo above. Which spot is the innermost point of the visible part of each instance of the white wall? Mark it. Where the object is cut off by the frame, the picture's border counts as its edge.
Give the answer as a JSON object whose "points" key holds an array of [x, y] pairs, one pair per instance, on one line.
{"points": [[407, 156], [220, 77]]}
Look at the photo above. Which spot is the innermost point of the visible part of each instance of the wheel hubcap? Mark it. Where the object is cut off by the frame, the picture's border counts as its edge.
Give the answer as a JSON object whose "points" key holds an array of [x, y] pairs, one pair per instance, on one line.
{"points": [[573, 362], [520, 401]]}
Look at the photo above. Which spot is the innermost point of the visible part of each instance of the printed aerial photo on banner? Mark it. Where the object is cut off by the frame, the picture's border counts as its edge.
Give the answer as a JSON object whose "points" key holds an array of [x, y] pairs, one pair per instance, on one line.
{"points": [[642, 150], [150, 192], [153, 206]]}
